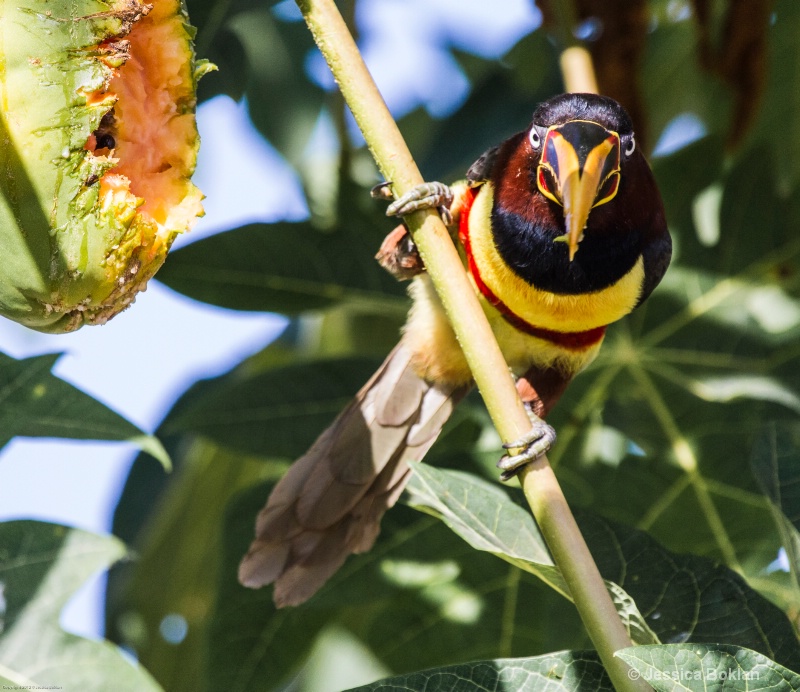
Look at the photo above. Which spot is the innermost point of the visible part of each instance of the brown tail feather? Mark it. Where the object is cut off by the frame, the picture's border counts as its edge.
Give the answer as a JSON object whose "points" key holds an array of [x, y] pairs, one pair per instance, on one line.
{"points": [[330, 502]]}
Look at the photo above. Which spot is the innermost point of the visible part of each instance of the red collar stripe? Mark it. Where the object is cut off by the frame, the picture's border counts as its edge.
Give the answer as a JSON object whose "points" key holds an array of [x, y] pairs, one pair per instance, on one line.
{"points": [[570, 340]]}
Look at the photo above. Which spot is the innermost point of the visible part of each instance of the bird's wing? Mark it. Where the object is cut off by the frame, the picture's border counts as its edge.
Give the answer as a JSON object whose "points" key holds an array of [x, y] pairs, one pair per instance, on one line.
{"points": [[481, 171]]}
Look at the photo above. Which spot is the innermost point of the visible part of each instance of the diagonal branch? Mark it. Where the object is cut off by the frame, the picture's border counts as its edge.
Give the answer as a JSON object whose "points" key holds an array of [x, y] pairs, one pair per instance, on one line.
{"points": [[475, 336]]}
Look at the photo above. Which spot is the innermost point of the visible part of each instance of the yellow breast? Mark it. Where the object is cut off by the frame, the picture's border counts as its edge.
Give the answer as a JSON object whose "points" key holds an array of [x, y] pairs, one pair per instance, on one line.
{"points": [[559, 312]]}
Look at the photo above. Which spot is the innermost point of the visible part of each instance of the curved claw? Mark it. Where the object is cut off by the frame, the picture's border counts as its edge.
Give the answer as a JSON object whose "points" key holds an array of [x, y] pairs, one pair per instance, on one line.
{"points": [[382, 191], [426, 196], [537, 442]]}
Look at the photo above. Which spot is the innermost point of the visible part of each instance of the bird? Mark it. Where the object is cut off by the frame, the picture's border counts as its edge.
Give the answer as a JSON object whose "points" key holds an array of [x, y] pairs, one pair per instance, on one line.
{"points": [[562, 232]]}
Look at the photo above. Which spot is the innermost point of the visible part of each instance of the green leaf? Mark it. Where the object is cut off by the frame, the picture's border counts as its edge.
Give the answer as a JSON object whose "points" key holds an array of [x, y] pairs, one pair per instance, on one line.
{"points": [[681, 177], [724, 389], [283, 267], [776, 466], [262, 58], [672, 84], [41, 567], [688, 597], [276, 413], [695, 667], [484, 516], [421, 597], [741, 305], [221, 46], [779, 124], [35, 403], [745, 206], [682, 597], [567, 671], [185, 543], [284, 103], [228, 54]]}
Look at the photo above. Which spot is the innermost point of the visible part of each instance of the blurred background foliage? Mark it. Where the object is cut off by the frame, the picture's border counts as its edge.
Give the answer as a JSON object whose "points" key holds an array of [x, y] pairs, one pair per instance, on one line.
{"points": [[657, 435], [686, 427]]}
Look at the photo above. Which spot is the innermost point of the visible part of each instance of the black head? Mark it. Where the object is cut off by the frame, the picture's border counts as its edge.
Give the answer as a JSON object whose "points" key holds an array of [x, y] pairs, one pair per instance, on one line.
{"points": [[580, 141], [600, 109], [575, 179]]}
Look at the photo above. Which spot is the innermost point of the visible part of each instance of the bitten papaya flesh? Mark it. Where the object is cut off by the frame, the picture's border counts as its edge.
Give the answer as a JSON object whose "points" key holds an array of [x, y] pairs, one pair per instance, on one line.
{"points": [[98, 143]]}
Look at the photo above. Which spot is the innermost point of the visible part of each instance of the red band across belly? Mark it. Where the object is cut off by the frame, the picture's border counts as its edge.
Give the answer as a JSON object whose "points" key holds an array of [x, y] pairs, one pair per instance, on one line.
{"points": [[576, 341]]}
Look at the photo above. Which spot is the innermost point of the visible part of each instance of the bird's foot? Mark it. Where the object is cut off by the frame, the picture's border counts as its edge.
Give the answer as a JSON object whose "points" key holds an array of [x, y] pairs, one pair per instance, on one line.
{"points": [[426, 196], [533, 445]]}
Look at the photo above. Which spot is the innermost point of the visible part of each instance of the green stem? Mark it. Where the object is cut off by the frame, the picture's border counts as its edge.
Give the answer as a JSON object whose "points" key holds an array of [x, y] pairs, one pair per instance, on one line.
{"points": [[511, 590], [475, 336]]}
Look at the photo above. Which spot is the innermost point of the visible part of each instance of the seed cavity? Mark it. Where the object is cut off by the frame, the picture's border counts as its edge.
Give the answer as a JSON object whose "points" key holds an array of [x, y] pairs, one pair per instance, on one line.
{"points": [[105, 141], [104, 135]]}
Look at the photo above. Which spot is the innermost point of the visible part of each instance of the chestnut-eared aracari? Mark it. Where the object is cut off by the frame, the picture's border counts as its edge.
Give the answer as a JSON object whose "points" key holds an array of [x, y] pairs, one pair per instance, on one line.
{"points": [[562, 231]]}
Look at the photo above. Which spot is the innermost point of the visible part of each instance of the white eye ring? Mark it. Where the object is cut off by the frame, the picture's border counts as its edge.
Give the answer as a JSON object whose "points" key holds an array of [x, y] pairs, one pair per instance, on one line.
{"points": [[535, 139], [631, 147]]}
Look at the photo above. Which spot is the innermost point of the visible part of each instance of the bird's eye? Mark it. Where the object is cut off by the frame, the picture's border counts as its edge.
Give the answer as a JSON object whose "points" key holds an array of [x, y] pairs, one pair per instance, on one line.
{"points": [[631, 146], [536, 140]]}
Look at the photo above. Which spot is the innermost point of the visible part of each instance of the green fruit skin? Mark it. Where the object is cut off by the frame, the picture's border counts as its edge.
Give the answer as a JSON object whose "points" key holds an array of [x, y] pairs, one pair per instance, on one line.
{"points": [[66, 261]]}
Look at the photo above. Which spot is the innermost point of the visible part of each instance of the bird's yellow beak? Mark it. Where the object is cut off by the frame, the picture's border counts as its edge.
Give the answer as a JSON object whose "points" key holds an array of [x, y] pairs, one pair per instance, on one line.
{"points": [[579, 169]]}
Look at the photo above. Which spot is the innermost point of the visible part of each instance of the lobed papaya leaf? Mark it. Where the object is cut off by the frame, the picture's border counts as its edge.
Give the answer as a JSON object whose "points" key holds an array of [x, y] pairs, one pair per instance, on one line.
{"points": [[41, 567], [775, 466], [566, 671], [698, 668], [283, 267], [35, 403], [680, 597], [421, 597]]}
